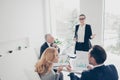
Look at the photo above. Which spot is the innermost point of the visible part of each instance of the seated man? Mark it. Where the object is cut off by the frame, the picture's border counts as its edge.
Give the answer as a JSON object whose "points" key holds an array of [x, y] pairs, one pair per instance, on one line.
{"points": [[49, 43], [97, 56]]}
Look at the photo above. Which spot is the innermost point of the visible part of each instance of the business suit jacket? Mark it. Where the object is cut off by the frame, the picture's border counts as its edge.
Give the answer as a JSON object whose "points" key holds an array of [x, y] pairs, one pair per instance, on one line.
{"points": [[99, 73], [42, 48], [45, 46], [87, 44]]}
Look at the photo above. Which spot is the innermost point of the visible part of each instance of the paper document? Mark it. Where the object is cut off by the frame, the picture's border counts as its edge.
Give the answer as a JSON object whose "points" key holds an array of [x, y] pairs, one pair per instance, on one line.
{"points": [[80, 63], [63, 60]]}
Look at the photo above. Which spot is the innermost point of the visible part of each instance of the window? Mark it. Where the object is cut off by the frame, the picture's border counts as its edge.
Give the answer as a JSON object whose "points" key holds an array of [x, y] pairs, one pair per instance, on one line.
{"points": [[64, 16], [112, 26]]}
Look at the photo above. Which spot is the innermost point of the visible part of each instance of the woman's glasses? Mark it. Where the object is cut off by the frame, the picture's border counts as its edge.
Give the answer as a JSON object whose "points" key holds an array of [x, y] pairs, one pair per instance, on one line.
{"points": [[81, 18]]}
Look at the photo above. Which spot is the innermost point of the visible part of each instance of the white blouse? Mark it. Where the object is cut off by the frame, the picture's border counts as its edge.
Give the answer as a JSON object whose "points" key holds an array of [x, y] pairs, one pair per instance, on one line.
{"points": [[81, 33]]}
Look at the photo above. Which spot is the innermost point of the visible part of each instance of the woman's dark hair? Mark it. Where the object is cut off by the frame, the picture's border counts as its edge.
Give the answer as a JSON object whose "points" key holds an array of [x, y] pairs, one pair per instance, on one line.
{"points": [[98, 53]]}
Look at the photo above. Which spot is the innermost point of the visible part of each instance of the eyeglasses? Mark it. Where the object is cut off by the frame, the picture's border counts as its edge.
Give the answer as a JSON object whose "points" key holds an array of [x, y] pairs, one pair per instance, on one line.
{"points": [[81, 18]]}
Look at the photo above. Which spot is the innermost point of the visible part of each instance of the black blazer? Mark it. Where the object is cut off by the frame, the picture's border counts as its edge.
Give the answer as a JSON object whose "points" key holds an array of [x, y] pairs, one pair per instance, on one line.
{"points": [[99, 73], [42, 49], [45, 46], [88, 32]]}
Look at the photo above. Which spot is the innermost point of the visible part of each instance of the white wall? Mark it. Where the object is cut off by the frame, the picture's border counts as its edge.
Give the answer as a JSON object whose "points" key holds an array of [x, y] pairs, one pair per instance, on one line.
{"points": [[93, 9], [26, 18], [22, 18]]}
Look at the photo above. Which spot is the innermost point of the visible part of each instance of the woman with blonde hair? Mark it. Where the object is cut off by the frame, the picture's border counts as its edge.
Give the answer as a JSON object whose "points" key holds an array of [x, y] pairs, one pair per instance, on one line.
{"points": [[44, 66]]}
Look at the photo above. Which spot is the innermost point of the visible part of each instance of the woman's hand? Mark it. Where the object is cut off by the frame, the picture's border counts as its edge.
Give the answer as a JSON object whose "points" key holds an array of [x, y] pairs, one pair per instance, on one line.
{"points": [[75, 39], [93, 36], [60, 68], [68, 67]]}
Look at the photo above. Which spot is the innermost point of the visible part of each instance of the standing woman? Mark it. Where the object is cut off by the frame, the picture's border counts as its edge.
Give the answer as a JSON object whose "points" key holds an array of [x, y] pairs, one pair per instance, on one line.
{"points": [[44, 66], [83, 34]]}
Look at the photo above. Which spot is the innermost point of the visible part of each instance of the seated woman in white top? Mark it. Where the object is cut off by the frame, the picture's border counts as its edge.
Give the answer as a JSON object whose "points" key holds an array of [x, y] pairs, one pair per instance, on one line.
{"points": [[44, 66]]}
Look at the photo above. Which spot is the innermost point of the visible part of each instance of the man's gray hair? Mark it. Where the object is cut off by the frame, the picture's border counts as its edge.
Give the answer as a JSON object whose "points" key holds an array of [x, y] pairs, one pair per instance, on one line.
{"points": [[46, 35]]}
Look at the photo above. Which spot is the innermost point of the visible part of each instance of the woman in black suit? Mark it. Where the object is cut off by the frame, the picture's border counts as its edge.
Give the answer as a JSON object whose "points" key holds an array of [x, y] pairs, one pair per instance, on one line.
{"points": [[83, 34]]}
